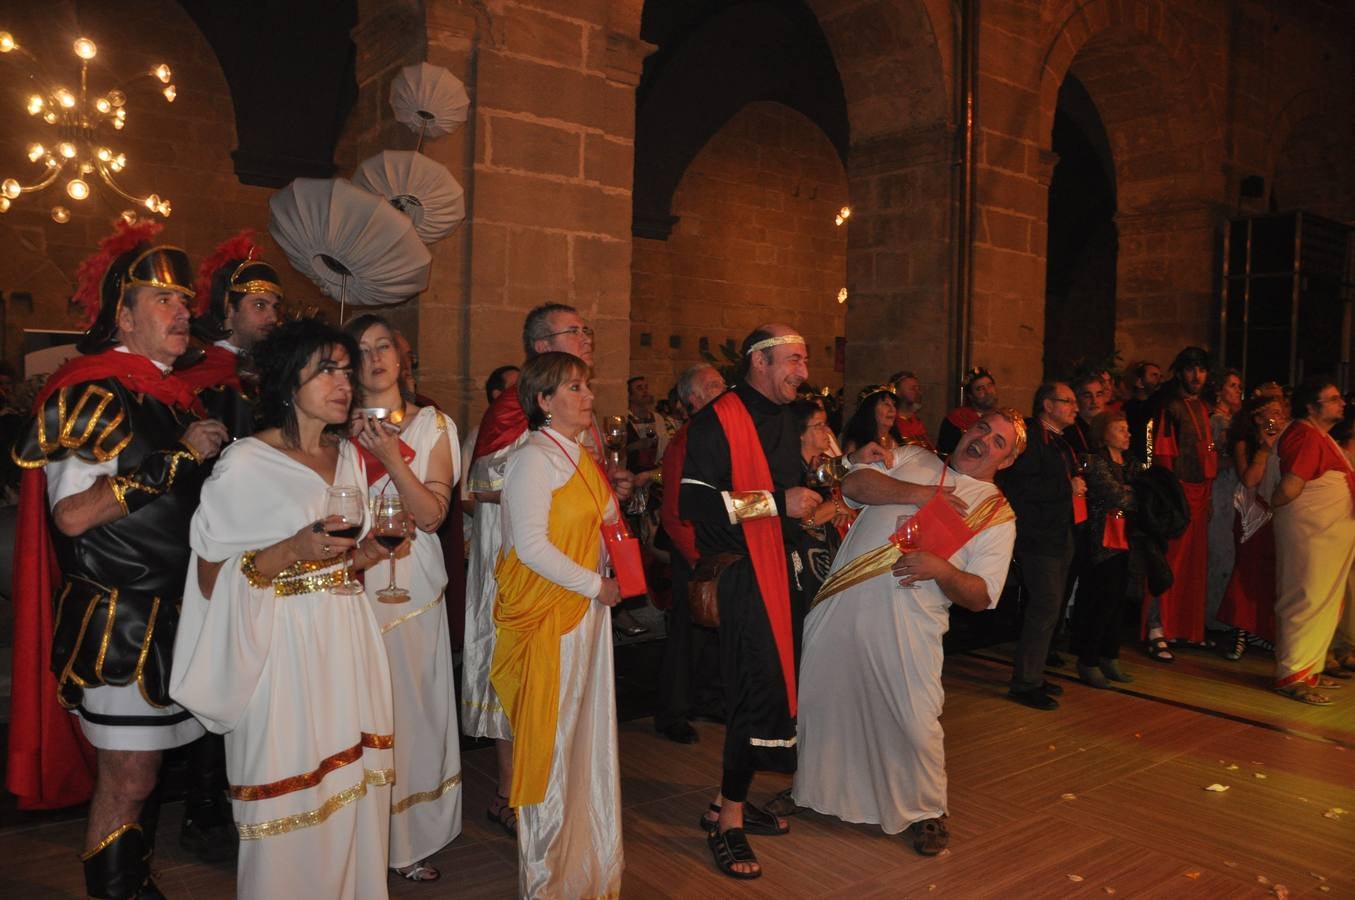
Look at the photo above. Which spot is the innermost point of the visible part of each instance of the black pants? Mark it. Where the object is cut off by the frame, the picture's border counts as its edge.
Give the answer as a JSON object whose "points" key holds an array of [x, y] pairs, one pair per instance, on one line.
{"points": [[1044, 577], [1099, 609]]}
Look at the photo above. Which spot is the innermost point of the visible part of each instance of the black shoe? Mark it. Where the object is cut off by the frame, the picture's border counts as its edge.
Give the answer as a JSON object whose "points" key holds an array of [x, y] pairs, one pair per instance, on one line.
{"points": [[1052, 688], [1053, 660], [713, 717], [1036, 699], [680, 732]]}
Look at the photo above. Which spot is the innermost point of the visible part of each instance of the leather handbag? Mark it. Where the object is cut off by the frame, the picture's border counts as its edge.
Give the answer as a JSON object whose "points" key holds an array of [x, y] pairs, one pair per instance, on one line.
{"points": [[703, 588]]}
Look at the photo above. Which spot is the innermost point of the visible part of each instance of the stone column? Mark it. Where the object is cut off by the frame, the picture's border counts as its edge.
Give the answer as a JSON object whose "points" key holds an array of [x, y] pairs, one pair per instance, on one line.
{"points": [[1165, 280], [899, 307]]}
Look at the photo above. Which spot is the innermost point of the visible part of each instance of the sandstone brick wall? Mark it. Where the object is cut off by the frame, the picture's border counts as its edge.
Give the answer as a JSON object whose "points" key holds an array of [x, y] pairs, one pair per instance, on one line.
{"points": [[755, 242]]}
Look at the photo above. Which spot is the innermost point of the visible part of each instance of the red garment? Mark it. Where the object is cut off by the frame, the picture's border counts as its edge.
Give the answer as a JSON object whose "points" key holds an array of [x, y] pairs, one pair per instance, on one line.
{"points": [[942, 530], [50, 763], [679, 530], [766, 548], [913, 431], [502, 423], [217, 368], [1308, 453], [963, 417], [1249, 600], [1182, 606], [376, 470]]}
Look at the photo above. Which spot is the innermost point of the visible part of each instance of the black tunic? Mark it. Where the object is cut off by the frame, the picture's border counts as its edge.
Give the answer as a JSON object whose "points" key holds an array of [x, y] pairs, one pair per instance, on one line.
{"points": [[760, 732]]}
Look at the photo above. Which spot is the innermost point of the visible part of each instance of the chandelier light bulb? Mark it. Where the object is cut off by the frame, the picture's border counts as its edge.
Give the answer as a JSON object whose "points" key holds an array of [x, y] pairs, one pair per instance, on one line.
{"points": [[119, 163], [49, 117], [65, 98], [151, 202], [842, 296], [6, 42], [84, 48], [119, 124], [128, 216], [4, 204], [77, 189], [36, 152], [121, 113], [66, 149], [845, 212], [103, 106], [162, 72], [35, 104], [61, 215], [52, 161], [170, 93], [117, 97], [86, 167], [103, 154], [164, 208], [10, 188]]}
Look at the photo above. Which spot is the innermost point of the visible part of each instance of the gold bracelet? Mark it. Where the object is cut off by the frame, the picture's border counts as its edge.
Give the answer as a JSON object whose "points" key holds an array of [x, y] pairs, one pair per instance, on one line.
{"points": [[197, 457], [251, 572]]}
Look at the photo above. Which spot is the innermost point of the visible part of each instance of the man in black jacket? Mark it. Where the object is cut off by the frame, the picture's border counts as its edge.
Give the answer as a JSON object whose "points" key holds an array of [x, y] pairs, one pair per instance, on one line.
{"points": [[1040, 486]]}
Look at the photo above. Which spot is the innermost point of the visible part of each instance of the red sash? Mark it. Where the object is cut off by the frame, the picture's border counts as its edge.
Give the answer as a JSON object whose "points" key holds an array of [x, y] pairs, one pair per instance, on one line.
{"points": [[502, 424], [680, 531], [941, 530], [376, 470], [766, 547]]}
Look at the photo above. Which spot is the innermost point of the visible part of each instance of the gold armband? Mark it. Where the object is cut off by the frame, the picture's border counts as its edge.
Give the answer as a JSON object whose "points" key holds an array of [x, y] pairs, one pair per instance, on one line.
{"points": [[197, 457], [743, 505], [251, 572]]}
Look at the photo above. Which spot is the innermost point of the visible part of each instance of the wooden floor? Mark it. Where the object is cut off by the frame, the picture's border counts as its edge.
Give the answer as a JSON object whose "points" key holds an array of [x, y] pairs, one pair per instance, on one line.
{"points": [[1105, 796]]}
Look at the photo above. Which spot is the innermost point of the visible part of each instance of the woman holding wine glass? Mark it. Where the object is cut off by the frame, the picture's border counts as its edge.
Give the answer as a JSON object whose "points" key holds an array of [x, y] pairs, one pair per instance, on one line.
{"points": [[286, 659], [410, 473], [874, 420], [552, 666]]}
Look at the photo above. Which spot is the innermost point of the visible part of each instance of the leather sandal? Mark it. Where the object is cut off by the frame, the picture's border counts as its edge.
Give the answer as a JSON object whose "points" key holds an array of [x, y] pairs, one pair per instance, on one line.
{"points": [[504, 815], [929, 837], [1158, 649], [729, 848], [1305, 694], [1239, 646], [420, 871], [756, 820]]}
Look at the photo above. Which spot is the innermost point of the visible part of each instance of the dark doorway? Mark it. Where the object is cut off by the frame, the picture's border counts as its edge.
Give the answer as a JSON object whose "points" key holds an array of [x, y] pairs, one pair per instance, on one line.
{"points": [[1083, 243]]}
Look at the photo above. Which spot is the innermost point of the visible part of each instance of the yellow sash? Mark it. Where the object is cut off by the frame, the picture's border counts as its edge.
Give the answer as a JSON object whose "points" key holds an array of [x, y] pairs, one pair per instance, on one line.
{"points": [[531, 613], [881, 560]]}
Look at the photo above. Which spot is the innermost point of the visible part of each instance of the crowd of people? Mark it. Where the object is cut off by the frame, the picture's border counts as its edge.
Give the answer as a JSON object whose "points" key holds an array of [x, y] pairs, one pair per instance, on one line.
{"points": [[231, 544]]}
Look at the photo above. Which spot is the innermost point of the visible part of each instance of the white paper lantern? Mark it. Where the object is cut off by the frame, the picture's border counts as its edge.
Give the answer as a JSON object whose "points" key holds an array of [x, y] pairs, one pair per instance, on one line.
{"points": [[429, 99], [417, 186]]}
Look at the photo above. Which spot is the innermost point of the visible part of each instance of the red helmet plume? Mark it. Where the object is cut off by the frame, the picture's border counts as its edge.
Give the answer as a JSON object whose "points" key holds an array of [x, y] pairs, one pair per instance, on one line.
{"points": [[89, 274]]}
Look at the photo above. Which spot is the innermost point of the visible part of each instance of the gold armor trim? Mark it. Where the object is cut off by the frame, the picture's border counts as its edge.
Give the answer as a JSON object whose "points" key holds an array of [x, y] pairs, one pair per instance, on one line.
{"points": [[440, 420], [273, 827], [102, 845], [137, 674], [69, 419], [107, 635], [307, 584], [66, 673], [744, 505], [257, 286], [425, 796]]}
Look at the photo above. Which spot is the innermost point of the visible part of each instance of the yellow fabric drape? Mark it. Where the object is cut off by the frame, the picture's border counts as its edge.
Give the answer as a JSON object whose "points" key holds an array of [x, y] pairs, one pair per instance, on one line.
{"points": [[531, 614]]}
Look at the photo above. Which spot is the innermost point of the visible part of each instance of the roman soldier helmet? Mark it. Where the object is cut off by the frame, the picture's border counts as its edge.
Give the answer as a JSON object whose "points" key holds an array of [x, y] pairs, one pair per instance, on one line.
{"points": [[126, 259], [231, 271]]}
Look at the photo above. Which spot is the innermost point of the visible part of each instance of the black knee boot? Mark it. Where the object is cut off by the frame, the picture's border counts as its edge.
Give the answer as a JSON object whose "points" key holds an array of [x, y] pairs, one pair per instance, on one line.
{"points": [[208, 828], [120, 867]]}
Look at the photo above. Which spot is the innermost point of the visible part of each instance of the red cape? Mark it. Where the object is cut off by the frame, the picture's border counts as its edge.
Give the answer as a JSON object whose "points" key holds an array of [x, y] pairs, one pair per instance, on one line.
{"points": [[501, 424], [962, 417], [50, 763]]}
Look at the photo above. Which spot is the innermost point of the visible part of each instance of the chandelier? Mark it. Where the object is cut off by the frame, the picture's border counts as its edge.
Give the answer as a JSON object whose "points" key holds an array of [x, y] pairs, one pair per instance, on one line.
{"points": [[76, 141]]}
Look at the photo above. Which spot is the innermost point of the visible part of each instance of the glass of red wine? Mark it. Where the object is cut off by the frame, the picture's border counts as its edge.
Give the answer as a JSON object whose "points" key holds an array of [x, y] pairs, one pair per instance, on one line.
{"points": [[348, 503], [390, 527]]}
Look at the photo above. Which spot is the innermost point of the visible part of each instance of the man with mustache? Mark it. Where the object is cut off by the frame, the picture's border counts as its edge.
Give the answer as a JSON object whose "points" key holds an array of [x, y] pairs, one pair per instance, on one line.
{"points": [[118, 451], [871, 745]]}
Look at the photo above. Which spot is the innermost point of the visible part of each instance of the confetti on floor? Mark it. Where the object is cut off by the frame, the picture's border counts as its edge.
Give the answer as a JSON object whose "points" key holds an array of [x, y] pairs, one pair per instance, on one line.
{"points": [[1193, 876], [1075, 878], [1233, 767], [1069, 797], [1260, 776], [1217, 788]]}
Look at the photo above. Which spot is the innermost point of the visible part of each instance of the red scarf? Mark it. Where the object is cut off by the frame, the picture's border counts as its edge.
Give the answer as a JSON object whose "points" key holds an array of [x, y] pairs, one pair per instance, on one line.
{"points": [[51, 765], [376, 470], [217, 368], [502, 424], [766, 548]]}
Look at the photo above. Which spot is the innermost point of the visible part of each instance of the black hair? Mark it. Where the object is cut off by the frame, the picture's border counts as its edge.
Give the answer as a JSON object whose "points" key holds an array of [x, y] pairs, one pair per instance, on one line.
{"points": [[498, 381], [802, 411], [1306, 393], [860, 428], [1243, 429], [280, 359], [1045, 391], [746, 358]]}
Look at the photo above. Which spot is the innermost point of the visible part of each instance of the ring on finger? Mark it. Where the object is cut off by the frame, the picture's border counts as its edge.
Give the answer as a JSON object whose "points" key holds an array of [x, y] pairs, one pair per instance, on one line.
{"points": [[324, 548]]}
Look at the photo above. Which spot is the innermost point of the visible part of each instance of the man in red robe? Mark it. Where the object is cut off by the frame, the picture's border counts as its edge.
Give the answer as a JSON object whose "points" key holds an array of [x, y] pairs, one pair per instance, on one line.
{"points": [[1182, 443], [980, 398]]}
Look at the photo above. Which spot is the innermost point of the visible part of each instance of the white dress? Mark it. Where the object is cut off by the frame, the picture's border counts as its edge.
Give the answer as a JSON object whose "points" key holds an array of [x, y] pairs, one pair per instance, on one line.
{"points": [[482, 714], [426, 799], [569, 845], [298, 684], [871, 744]]}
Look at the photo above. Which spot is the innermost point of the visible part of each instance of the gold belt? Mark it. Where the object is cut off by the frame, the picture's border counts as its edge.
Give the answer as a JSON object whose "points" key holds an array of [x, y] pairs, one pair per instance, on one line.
{"points": [[307, 584]]}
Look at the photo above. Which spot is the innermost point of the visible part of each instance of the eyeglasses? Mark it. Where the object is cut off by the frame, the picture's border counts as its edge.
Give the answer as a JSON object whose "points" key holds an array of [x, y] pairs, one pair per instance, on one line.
{"points": [[575, 330]]}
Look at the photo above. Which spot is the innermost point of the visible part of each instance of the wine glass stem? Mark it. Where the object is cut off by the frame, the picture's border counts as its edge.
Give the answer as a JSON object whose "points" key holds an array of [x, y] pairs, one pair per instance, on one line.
{"points": [[391, 586]]}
